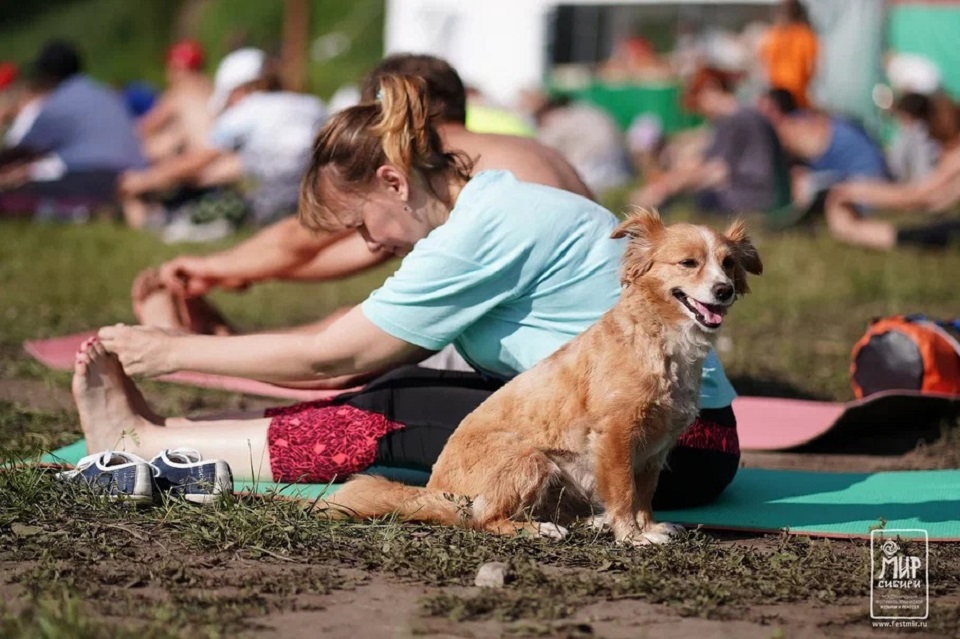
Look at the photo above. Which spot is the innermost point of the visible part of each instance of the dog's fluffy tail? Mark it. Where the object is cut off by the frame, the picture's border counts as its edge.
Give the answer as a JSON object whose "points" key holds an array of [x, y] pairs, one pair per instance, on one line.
{"points": [[368, 496]]}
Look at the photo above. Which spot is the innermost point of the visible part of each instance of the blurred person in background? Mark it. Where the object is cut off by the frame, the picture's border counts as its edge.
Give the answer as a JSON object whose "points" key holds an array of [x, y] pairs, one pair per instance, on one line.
{"points": [[938, 192], [180, 119], [825, 150], [10, 93], [913, 153], [789, 51], [586, 136], [933, 193], [742, 168], [260, 138], [485, 117], [70, 140]]}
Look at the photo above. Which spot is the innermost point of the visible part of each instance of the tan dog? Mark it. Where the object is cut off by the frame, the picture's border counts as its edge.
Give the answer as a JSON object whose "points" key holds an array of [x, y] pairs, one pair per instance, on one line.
{"points": [[587, 429]]}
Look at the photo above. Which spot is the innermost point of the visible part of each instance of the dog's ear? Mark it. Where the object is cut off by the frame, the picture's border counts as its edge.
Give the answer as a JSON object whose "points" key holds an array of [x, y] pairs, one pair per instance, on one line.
{"points": [[643, 226], [746, 251], [748, 259]]}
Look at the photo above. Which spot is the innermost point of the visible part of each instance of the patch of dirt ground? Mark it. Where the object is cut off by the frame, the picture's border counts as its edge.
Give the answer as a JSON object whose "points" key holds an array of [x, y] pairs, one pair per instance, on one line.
{"points": [[275, 599]]}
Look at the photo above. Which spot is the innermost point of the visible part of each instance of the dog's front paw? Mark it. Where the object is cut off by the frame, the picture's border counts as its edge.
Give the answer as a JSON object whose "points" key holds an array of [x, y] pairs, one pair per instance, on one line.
{"points": [[662, 533], [598, 522], [551, 531], [635, 540]]}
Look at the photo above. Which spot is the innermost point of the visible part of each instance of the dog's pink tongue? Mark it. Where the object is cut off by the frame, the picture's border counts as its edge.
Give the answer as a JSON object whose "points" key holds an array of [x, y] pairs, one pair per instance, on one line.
{"points": [[709, 316]]}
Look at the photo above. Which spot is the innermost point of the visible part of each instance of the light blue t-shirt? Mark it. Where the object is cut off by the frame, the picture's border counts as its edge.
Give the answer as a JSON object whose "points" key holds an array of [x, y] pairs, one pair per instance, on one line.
{"points": [[516, 272]]}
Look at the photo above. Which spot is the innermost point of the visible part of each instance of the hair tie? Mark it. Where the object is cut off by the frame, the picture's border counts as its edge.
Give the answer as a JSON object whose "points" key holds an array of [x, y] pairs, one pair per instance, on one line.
{"points": [[379, 95]]}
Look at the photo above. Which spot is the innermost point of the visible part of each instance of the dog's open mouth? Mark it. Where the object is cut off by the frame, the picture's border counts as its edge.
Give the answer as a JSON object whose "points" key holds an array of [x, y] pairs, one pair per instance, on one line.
{"points": [[709, 315]]}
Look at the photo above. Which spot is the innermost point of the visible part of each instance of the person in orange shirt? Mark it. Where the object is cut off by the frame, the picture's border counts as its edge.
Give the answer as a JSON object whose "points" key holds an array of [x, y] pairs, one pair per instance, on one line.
{"points": [[789, 52]]}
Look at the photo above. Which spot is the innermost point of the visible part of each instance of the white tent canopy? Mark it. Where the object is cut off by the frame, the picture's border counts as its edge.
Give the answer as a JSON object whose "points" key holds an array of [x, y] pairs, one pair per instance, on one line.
{"points": [[499, 46]]}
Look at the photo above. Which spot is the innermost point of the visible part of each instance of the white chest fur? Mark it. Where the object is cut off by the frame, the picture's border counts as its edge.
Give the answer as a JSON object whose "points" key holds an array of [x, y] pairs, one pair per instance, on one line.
{"points": [[680, 388], [684, 357]]}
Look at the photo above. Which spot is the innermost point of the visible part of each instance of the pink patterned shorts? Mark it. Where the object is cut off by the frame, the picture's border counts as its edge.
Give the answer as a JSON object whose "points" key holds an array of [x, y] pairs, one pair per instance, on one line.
{"points": [[709, 435], [317, 442]]}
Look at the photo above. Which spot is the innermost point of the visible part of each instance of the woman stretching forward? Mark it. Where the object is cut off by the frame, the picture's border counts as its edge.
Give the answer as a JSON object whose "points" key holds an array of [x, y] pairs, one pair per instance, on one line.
{"points": [[506, 271]]}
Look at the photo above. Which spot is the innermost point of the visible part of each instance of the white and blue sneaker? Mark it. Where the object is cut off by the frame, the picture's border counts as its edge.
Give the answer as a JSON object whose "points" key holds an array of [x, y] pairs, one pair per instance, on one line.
{"points": [[117, 474], [186, 475]]}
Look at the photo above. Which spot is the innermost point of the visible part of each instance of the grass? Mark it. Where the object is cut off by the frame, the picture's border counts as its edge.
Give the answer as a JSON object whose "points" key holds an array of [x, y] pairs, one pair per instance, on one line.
{"points": [[83, 567]]}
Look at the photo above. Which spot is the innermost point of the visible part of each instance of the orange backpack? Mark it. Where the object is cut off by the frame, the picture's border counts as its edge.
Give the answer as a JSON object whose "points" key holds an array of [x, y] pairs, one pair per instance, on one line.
{"points": [[907, 352]]}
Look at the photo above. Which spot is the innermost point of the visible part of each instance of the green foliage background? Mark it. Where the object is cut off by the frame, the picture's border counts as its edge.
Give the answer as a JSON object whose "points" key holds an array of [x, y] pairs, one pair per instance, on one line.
{"points": [[125, 40]]}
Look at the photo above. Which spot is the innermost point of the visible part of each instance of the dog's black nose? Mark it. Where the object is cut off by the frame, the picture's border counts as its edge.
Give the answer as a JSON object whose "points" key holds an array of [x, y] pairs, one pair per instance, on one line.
{"points": [[723, 292]]}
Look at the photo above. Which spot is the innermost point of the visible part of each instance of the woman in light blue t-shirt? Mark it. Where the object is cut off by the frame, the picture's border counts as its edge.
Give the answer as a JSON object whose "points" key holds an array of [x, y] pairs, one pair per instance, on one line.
{"points": [[504, 270]]}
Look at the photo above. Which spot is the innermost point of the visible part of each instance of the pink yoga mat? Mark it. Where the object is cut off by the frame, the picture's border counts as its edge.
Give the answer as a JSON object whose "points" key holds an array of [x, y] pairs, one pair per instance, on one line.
{"points": [[773, 423], [58, 352]]}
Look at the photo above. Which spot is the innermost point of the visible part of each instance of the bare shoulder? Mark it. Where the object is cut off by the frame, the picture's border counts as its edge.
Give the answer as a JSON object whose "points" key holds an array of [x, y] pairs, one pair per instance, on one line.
{"points": [[528, 159]]}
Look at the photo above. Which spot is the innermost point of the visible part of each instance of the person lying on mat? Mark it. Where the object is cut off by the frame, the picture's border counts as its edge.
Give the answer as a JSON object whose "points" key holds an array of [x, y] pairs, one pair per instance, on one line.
{"points": [[506, 270], [170, 296], [937, 192]]}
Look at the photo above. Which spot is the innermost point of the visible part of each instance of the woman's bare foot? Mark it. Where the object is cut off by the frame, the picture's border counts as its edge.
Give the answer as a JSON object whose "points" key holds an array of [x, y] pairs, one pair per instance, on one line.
{"points": [[110, 415], [156, 305], [153, 304], [200, 316]]}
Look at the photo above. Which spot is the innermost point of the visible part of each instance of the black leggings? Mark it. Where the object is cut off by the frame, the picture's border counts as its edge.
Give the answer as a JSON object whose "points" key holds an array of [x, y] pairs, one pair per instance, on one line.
{"points": [[432, 403]]}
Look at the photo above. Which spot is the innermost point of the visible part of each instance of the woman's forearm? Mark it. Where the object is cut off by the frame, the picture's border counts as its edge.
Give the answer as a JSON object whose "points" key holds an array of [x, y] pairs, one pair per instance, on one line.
{"points": [[281, 358], [273, 253], [349, 346], [882, 195], [342, 258]]}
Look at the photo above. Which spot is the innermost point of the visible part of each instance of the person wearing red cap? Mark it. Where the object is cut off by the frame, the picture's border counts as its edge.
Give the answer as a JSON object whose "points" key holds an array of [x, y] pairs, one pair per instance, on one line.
{"points": [[9, 96], [8, 74], [186, 54], [180, 120]]}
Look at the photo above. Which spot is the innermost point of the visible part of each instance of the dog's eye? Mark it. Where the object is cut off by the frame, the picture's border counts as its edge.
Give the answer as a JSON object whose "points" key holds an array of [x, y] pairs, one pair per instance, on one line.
{"points": [[689, 263], [727, 263]]}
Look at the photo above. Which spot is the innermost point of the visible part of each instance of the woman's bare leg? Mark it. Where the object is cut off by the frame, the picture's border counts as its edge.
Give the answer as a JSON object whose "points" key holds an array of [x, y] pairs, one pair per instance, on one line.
{"points": [[136, 211], [225, 170], [849, 227], [112, 416]]}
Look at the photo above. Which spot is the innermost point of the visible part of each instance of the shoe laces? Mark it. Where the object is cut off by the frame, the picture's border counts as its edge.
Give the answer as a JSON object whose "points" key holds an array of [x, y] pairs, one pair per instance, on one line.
{"points": [[108, 458], [183, 455]]}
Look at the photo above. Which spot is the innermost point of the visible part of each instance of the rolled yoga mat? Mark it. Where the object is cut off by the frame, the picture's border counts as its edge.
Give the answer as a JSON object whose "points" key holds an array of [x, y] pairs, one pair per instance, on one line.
{"points": [[887, 422]]}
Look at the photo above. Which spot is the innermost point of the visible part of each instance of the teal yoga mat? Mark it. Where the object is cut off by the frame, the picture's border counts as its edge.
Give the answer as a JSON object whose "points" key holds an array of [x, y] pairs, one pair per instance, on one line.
{"points": [[807, 503], [71, 455]]}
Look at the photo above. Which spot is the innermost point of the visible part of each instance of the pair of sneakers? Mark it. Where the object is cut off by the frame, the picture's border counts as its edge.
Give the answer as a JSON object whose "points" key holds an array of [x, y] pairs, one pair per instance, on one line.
{"points": [[181, 472]]}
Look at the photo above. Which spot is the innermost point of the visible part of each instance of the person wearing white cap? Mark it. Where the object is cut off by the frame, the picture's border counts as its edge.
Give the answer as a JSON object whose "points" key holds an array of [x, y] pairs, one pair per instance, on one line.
{"points": [[261, 131], [240, 68], [912, 73]]}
